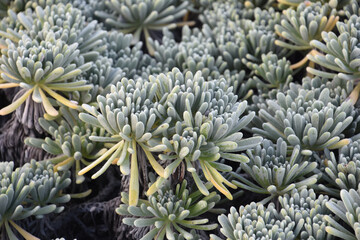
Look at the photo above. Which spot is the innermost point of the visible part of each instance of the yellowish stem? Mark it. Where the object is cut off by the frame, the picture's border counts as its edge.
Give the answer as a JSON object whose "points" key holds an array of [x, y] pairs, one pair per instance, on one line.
{"points": [[66, 161], [155, 186], [187, 23], [134, 178], [100, 159], [217, 185], [331, 23], [60, 98], [288, 3], [8, 85], [305, 59], [23, 232], [150, 49], [354, 95], [300, 63], [13, 106], [47, 105], [156, 166], [339, 144], [312, 65], [186, 16], [82, 194]]}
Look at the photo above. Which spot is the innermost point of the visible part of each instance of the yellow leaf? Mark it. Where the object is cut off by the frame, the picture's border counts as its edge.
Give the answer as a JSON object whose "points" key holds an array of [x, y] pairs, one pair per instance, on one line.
{"points": [[60, 98], [134, 178], [8, 85], [13, 106], [100, 159], [62, 163], [156, 166], [23, 233], [47, 105]]}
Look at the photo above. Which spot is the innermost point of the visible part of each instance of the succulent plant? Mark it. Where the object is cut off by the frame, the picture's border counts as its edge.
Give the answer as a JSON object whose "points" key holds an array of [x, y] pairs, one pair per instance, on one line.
{"points": [[220, 13], [239, 84], [131, 60], [14, 191], [208, 120], [339, 4], [305, 24], [170, 211], [267, 18], [339, 51], [342, 172], [258, 42], [347, 210], [191, 116], [101, 75], [21, 5], [129, 115], [307, 118], [194, 53], [339, 89], [67, 23], [32, 190], [276, 169], [308, 211], [42, 67], [143, 17], [178, 132], [198, 52], [255, 221], [340, 56], [48, 186], [70, 142], [352, 8], [272, 73]]}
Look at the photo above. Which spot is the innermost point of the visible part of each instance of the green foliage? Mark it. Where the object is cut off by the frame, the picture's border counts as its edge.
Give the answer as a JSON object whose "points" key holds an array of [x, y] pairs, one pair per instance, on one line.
{"points": [[183, 118], [338, 4], [307, 211], [342, 172], [208, 120], [67, 23], [70, 142], [340, 56], [223, 12], [307, 118], [170, 211], [131, 60], [101, 75], [166, 104], [255, 221], [305, 24], [47, 184], [22, 5], [347, 210], [130, 116], [194, 53], [258, 3], [352, 8], [32, 190], [142, 17], [276, 169], [340, 51], [42, 68], [272, 73]]}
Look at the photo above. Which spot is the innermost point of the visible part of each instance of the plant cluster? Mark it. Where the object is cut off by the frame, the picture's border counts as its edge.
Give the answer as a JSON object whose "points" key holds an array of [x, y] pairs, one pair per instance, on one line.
{"points": [[189, 104], [34, 189]]}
